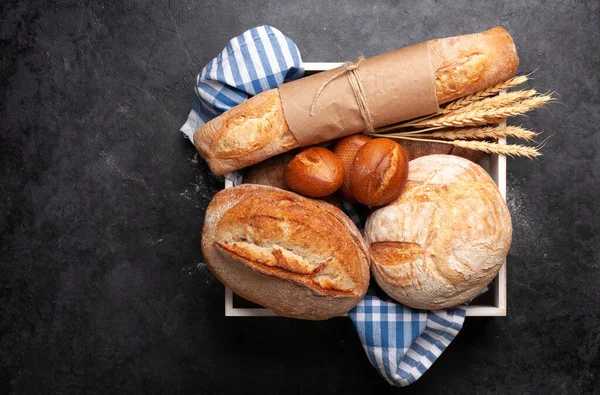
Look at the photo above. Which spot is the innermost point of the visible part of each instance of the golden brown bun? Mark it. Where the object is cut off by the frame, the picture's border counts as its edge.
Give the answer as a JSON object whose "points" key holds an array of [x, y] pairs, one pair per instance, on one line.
{"points": [[417, 149], [300, 257], [257, 129], [270, 171], [444, 239], [314, 172], [346, 150], [379, 172]]}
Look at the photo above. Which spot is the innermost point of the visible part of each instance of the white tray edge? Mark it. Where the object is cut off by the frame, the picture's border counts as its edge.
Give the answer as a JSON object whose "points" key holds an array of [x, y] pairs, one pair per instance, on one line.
{"points": [[497, 169]]}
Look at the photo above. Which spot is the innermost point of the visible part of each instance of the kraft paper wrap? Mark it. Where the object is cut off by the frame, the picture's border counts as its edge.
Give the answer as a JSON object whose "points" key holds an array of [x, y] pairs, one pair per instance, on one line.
{"points": [[398, 86]]}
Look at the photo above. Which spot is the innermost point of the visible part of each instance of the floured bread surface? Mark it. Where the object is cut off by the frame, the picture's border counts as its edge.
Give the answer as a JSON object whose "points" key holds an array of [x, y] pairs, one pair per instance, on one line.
{"points": [[299, 257], [444, 239]]}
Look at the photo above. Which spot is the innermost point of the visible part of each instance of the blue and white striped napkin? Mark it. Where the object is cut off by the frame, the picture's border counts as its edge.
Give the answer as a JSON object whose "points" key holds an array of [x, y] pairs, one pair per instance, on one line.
{"points": [[259, 59], [400, 342]]}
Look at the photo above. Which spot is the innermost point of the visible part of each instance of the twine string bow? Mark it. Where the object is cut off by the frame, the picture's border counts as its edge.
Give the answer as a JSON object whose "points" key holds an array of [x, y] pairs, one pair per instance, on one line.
{"points": [[350, 69]]}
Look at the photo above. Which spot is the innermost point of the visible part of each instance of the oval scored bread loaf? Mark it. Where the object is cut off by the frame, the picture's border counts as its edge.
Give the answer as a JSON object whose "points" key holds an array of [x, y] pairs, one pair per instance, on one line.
{"points": [[444, 239], [301, 258]]}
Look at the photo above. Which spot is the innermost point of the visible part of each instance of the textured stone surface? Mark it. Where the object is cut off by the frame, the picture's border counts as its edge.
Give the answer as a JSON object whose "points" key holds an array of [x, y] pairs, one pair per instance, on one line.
{"points": [[102, 288]]}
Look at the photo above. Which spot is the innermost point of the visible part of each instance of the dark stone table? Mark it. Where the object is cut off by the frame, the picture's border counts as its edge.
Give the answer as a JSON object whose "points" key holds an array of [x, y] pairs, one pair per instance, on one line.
{"points": [[102, 285]]}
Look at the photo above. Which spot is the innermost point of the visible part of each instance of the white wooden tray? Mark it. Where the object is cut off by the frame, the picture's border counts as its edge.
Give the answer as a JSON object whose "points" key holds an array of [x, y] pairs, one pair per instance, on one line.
{"points": [[485, 306]]}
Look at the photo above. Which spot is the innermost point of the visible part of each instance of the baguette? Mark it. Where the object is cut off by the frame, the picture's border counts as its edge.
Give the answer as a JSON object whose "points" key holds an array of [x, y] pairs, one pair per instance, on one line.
{"points": [[257, 129], [300, 257]]}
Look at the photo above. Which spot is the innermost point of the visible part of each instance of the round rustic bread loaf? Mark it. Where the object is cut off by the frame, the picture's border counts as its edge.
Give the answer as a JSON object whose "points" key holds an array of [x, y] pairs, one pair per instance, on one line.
{"points": [[444, 239], [300, 257]]}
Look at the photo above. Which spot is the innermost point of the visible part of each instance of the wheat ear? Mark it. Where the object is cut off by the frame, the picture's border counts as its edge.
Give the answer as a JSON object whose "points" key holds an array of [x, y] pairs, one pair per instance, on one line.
{"points": [[479, 117], [475, 97], [494, 90], [490, 132], [497, 101], [483, 146], [501, 149]]}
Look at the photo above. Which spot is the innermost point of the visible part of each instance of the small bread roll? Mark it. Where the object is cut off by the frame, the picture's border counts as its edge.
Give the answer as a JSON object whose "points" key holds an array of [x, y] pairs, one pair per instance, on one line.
{"points": [[444, 239], [346, 150], [379, 172], [314, 172]]}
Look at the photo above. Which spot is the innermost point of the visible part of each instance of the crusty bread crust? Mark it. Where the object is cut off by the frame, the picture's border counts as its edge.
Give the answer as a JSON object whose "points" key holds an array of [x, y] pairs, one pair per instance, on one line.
{"points": [[256, 129], [473, 62], [444, 239], [300, 257], [247, 134]]}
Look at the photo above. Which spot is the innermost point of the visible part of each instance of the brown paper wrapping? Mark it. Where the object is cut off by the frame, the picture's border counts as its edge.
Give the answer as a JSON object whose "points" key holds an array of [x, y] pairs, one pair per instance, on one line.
{"points": [[398, 86]]}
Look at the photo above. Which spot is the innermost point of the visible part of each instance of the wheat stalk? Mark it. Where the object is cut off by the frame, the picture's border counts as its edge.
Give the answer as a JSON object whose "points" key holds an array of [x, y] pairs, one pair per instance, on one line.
{"points": [[492, 91], [501, 149], [497, 101], [486, 107], [483, 146], [479, 116], [493, 132]]}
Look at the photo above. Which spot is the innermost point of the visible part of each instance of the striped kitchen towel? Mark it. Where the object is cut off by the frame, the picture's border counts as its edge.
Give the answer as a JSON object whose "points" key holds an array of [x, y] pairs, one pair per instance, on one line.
{"points": [[259, 59], [400, 342]]}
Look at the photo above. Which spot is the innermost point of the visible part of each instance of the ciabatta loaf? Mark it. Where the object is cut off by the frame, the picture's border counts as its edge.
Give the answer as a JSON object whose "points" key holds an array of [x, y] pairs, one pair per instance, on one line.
{"points": [[444, 239], [257, 129], [300, 257]]}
